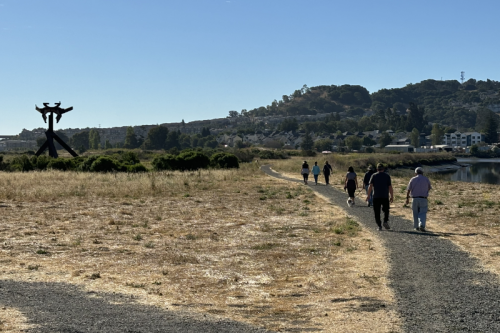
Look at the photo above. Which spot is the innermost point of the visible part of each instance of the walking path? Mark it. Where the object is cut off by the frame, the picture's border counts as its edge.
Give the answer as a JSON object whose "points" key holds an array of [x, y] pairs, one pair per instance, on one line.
{"points": [[438, 287]]}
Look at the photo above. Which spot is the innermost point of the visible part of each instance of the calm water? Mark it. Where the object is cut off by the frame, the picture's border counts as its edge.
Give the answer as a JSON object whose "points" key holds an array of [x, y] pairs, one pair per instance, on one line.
{"points": [[479, 171]]}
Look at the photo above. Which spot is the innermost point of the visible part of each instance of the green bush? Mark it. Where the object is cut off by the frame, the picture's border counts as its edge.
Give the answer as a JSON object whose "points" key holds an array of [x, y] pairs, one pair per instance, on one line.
{"points": [[224, 160], [21, 163], [272, 155], [192, 160], [136, 168], [41, 162], [62, 164], [87, 163], [105, 164], [129, 158], [165, 162]]}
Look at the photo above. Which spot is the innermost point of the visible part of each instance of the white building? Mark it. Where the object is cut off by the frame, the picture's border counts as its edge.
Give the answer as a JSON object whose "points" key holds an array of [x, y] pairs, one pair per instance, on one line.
{"points": [[462, 140]]}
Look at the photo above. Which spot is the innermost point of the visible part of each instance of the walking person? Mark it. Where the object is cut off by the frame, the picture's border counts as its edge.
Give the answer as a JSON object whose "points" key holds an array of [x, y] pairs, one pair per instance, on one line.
{"points": [[380, 184], [366, 183], [316, 171], [418, 188], [327, 171], [305, 171], [351, 184]]}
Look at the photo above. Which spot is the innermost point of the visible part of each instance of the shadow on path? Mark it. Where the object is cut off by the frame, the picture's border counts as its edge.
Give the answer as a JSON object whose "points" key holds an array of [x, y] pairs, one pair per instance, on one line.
{"points": [[438, 287], [60, 307]]}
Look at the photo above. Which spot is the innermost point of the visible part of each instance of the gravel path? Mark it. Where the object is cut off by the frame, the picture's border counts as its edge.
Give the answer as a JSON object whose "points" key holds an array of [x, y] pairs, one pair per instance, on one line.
{"points": [[438, 287], [65, 308]]}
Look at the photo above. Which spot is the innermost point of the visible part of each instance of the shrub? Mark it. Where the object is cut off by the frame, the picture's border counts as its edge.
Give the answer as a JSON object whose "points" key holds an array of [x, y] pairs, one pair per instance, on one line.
{"points": [[272, 155], [136, 168], [21, 163], [224, 160], [370, 150], [86, 164], [62, 164], [41, 162], [129, 157], [105, 164], [192, 160], [164, 162]]}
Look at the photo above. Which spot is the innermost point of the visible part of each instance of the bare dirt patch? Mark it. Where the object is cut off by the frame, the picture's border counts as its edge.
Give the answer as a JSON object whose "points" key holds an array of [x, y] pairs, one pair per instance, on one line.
{"points": [[235, 243]]}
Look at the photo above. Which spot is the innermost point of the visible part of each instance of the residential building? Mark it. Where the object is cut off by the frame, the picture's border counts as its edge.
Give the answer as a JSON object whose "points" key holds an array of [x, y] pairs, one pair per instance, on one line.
{"points": [[462, 140]]}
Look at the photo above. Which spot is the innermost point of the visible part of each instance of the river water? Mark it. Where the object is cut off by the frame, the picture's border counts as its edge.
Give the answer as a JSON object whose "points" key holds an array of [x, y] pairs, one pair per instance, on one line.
{"points": [[479, 171]]}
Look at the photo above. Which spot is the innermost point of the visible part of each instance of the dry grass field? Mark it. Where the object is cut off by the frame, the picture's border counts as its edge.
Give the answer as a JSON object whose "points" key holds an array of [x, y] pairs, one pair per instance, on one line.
{"points": [[466, 213], [232, 243]]}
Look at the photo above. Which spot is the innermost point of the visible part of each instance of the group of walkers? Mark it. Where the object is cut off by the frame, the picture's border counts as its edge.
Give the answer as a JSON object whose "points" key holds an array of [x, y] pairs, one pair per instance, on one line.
{"points": [[379, 193], [316, 171]]}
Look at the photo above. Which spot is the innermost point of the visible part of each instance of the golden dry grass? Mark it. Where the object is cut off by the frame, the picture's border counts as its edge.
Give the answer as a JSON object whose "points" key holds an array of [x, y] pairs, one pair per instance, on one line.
{"points": [[468, 214], [233, 243], [13, 321]]}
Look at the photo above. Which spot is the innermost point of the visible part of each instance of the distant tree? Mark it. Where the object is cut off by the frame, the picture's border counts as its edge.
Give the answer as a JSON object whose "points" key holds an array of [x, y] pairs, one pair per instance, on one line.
{"points": [[212, 143], [415, 118], [156, 138], [183, 124], [384, 140], [289, 124], [205, 132], [130, 139], [233, 114], [354, 142], [437, 134], [80, 140], [108, 145], [415, 138], [172, 140], [94, 139], [474, 150], [307, 142], [285, 98], [40, 141], [369, 141], [323, 144], [490, 129], [185, 141]]}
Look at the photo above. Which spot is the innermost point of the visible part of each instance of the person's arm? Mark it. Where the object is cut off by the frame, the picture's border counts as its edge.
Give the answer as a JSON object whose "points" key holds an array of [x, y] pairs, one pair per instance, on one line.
{"points": [[369, 192], [391, 194], [356, 181], [407, 197]]}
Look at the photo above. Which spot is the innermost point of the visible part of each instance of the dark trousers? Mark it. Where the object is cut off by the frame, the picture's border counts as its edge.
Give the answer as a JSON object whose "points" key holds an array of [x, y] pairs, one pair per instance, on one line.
{"points": [[377, 204], [327, 178]]}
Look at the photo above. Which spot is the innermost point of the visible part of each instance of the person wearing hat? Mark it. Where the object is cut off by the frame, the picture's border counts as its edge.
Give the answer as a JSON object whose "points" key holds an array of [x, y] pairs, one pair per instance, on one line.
{"points": [[366, 183], [418, 189], [380, 184]]}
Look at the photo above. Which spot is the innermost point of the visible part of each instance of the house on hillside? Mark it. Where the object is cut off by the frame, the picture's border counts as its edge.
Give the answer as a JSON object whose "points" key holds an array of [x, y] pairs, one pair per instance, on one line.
{"points": [[462, 140]]}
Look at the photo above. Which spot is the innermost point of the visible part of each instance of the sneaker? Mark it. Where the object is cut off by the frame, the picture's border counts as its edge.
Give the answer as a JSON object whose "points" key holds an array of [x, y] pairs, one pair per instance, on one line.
{"points": [[386, 225], [416, 229], [422, 229], [379, 228]]}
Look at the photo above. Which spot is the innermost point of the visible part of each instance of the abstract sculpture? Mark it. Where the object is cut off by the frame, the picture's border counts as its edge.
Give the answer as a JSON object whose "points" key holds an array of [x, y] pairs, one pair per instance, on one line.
{"points": [[49, 143]]}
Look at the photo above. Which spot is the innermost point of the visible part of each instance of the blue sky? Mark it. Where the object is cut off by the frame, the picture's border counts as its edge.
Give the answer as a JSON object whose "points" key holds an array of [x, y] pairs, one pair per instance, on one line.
{"points": [[129, 62]]}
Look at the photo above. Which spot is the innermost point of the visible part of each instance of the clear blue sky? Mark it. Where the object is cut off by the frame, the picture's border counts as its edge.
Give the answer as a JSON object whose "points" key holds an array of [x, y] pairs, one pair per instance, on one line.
{"points": [[130, 62]]}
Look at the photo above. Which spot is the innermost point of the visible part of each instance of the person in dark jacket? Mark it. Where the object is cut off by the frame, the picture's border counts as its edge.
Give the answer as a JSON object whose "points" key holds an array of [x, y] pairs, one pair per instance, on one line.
{"points": [[366, 183], [305, 171], [351, 184], [327, 171], [383, 195]]}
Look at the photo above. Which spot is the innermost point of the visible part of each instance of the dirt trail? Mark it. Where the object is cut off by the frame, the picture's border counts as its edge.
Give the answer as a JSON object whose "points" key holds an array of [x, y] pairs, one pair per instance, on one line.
{"points": [[438, 287]]}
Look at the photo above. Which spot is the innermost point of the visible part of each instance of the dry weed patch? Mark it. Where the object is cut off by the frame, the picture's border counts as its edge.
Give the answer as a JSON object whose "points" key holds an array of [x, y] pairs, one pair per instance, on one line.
{"points": [[241, 245]]}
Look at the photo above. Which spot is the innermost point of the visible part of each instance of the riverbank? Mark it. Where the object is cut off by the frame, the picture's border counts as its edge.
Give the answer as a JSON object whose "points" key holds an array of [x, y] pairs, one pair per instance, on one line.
{"points": [[465, 213]]}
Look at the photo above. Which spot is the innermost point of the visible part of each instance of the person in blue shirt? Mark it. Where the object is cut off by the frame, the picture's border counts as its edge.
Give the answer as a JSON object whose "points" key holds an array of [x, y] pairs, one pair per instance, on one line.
{"points": [[316, 171]]}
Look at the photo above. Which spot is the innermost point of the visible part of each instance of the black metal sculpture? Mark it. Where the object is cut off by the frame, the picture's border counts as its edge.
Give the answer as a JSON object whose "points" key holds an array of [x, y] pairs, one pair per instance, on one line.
{"points": [[49, 143]]}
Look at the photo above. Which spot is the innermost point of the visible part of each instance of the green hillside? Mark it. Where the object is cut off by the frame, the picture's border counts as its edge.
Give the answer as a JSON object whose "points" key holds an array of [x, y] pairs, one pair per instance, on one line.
{"points": [[446, 102]]}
